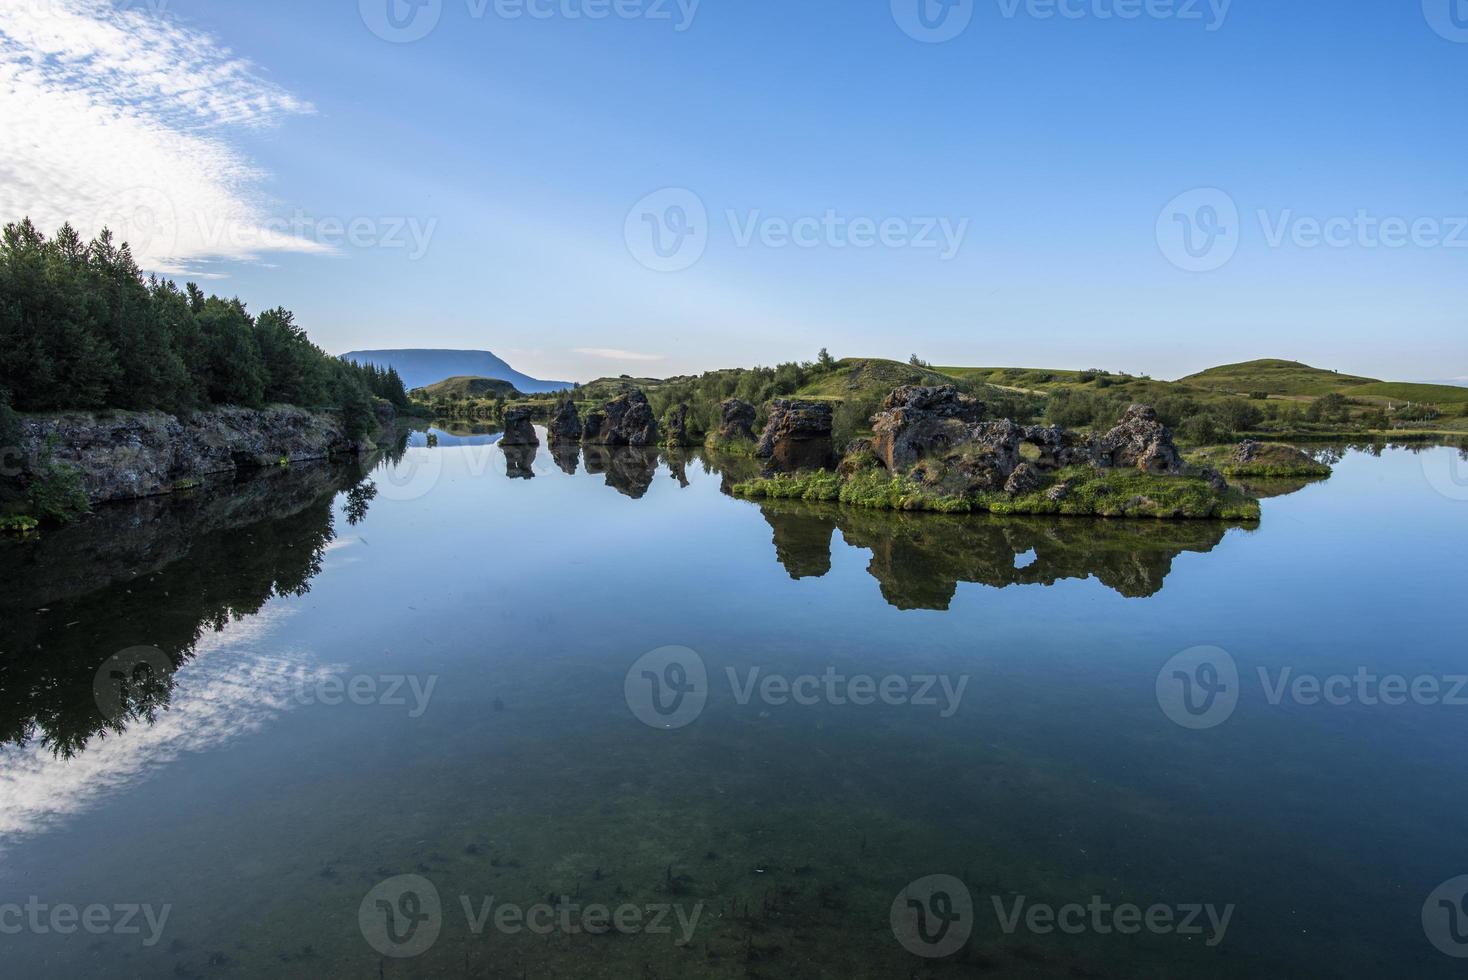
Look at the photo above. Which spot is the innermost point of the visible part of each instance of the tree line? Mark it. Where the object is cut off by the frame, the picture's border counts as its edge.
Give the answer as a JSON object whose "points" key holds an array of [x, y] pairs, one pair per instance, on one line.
{"points": [[81, 328]]}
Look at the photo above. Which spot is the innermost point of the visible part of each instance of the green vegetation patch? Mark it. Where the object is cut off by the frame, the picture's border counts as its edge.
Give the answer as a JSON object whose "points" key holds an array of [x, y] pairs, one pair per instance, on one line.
{"points": [[1277, 377], [1270, 460], [1406, 392], [1086, 492]]}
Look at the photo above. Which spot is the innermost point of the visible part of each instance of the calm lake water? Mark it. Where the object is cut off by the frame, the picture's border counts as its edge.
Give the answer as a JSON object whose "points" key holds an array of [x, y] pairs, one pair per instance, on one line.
{"points": [[465, 702]]}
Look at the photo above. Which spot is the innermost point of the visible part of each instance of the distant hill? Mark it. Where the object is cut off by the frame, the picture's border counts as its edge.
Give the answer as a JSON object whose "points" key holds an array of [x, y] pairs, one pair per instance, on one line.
{"points": [[1274, 376], [421, 368], [1406, 392], [453, 388]]}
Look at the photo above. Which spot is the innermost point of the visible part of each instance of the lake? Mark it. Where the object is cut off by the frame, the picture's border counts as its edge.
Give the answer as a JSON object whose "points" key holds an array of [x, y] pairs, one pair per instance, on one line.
{"points": [[477, 711]]}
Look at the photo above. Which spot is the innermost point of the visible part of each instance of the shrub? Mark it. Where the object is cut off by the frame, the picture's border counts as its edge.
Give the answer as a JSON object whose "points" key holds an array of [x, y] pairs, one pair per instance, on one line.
{"points": [[55, 490]]}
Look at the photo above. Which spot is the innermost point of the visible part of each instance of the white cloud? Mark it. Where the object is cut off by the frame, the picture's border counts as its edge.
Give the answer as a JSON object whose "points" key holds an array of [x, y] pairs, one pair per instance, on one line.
{"points": [[124, 117], [613, 354]]}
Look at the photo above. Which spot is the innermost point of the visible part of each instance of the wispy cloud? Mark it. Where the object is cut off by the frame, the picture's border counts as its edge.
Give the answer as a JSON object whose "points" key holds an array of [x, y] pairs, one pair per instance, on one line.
{"points": [[125, 118], [611, 353]]}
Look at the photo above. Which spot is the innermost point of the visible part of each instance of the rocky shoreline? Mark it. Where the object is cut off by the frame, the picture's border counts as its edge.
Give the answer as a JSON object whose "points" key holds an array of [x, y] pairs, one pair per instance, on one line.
{"points": [[132, 455]]}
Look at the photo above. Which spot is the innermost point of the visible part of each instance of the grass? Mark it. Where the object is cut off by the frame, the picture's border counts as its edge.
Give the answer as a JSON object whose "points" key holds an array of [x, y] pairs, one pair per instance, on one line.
{"points": [[1272, 460], [858, 376], [1402, 391], [1276, 377], [1091, 493]]}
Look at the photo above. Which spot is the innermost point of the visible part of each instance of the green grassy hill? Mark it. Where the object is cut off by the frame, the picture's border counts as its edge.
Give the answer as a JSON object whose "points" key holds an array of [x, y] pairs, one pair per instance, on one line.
{"points": [[1401, 391], [464, 387], [858, 377], [1276, 377]]}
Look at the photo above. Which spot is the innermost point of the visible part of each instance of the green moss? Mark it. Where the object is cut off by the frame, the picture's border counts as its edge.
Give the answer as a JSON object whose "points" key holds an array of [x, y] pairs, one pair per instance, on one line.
{"points": [[18, 524], [1090, 492]]}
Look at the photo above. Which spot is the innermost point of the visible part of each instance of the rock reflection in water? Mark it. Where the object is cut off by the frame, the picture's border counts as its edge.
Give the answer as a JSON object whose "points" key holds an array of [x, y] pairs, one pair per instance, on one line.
{"points": [[519, 462], [629, 469], [919, 559]]}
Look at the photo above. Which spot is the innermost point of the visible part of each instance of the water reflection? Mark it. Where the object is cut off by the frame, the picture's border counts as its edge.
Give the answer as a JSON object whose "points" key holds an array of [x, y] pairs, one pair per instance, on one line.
{"points": [[919, 559], [164, 572]]}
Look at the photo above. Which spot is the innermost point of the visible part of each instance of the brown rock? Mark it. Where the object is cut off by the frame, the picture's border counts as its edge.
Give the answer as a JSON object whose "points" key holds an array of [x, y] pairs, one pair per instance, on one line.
{"points": [[565, 425], [798, 436]]}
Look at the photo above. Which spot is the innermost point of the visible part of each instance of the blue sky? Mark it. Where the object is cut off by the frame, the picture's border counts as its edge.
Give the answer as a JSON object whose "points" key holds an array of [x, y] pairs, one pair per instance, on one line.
{"points": [[1039, 179]]}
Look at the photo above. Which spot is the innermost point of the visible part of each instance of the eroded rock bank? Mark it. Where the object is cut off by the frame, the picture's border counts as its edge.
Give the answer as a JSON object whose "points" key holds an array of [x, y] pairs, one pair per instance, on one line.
{"points": [[131, 455]]}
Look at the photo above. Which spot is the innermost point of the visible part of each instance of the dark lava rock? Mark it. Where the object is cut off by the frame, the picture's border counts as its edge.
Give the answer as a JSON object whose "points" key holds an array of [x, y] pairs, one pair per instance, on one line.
{"points": [[1139, 441], [626, 420], [518, 429], [591, 429], [736, 420], [916, 421], [798, 436], [565, 425]]}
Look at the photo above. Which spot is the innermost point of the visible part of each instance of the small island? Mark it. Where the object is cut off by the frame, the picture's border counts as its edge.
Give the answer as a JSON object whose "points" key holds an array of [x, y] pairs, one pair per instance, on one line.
{"points": [[934, 449]]}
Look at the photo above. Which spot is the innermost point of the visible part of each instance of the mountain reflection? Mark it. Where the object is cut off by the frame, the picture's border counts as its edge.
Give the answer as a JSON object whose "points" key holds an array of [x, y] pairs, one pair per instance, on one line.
{"points": [[162, 572]]}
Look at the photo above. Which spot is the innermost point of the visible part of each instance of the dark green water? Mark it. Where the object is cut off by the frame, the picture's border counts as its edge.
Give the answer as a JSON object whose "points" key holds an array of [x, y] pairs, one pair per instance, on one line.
{"points": [[444, 679]]}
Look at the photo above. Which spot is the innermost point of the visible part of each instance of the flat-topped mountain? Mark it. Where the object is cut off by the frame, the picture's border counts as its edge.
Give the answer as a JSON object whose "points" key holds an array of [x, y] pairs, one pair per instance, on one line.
{"points": [[420, 368]]}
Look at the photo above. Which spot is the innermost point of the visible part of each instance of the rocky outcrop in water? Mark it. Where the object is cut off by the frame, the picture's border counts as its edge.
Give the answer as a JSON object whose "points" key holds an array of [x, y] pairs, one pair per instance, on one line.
{"points": [[1139, 441], [917, 421], [797, 437], [518, 429], [736, 422], [626, 420], [565, 425], [935, 434], [677, 425], [129, 455]]}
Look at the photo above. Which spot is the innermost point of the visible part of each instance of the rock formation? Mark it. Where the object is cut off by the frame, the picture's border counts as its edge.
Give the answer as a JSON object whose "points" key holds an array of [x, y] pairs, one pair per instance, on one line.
{"points": [[128, 455], [935, 435], [798, 436], [626, 420], [565, 425], [591, 429], [917, 421], [1139, 441], [736, 421], [518, 429]]}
